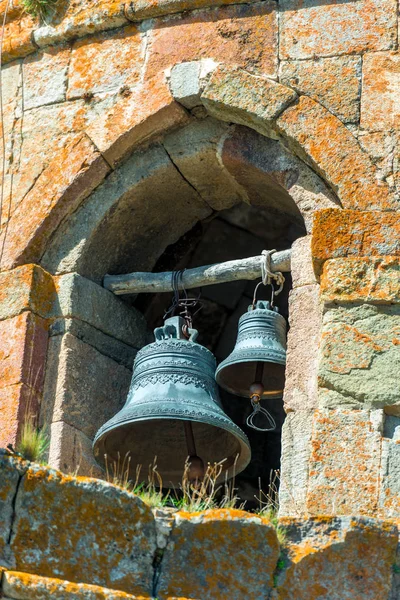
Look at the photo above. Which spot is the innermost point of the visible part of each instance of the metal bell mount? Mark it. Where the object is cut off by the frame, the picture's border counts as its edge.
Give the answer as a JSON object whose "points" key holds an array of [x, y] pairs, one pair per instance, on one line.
{"points": [[256, 367], [173, 411]]}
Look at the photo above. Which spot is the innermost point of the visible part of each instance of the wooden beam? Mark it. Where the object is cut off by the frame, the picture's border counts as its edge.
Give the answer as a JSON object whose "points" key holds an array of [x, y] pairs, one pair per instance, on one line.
{"points": [[233, 270]]}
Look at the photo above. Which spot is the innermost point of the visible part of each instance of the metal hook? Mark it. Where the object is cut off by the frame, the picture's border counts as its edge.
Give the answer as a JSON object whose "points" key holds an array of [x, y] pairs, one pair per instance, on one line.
{"points": [[259, 410]]}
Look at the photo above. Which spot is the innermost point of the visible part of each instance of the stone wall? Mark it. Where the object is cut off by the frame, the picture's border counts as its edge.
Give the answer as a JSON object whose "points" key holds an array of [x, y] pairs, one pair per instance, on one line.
{"points": [[66, 537], [99, 107]]}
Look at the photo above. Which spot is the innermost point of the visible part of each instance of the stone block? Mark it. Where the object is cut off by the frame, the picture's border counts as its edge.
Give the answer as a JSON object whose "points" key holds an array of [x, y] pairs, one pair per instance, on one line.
{"points": [[389, 492], [105, 344], [308, 29], [83, 388], [220, 551], [148, 111], [11, 471], [318, 137], [28, 287], [24, 586], [340, 558], [81, 298], [360, 359], [106, 62], [333, 82], [84, 531], [301, 263], [344, 468], [380, 99], [146, 9], [187, 81], [236, 96], [17, 39], [71, 451], [347, 233], [195, 150], [45, 77], [78, 20], [375, 280], [72, 174], [16, 402], [302, 351], [243, 35], [23, 346], [296, 451]]}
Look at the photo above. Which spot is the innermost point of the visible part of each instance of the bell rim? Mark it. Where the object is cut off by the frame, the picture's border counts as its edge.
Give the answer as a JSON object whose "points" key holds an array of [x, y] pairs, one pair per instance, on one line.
{"points": [[255, 358]]}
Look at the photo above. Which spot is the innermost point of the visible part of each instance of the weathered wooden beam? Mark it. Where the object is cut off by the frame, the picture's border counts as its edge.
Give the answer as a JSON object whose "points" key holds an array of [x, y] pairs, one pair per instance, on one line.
{"points": [[233, 270]]}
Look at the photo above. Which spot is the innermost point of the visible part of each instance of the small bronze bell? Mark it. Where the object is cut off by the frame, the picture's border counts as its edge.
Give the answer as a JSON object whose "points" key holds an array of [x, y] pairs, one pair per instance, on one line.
{"points": [[256, 367], [173, 412]]}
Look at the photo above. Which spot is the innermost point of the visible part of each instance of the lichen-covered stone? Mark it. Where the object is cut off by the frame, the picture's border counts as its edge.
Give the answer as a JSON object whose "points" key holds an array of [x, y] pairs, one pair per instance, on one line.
{"points": [[148, 111], [380, 94], [236, 96], [389, 492], [17, 39], [72, 174], [71, 451], [326, 28], [145, 9], [24, 586], [11, 470], [221, 554], [320, 138], [105, 62], [45, 77], [346, 233], [360, 357], [368, 279], [28, 287], [344, 467], [84, 531], [348, 558], [243, 35], [333, 82]]}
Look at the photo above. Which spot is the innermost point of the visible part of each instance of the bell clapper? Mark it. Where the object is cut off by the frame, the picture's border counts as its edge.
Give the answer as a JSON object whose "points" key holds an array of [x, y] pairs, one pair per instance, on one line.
{"points": [[196, 465]]}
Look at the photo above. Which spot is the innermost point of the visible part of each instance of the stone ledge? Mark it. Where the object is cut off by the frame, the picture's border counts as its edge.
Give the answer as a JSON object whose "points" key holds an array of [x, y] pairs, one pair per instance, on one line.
{"points": [[137, 10]]}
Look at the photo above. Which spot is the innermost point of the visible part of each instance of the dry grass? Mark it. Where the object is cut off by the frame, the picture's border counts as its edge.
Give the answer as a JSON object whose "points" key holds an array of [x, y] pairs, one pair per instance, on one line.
{"points": [[33, 443]]}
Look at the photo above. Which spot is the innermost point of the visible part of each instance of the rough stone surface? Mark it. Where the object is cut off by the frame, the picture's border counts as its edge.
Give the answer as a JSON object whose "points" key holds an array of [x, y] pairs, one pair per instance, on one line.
{"points": [[50, 540], [45, 77], [11, 471], [80, 19], [244, 35], [106, 62], [219, 551], [17, 39], [28, 287], [333, 82], [375, 280], [71, 451], [186, 82], [328, 145], [360, 358], [344, 468], [145, 9], [62, 186], [302, 351], [236, 96], [348, 558], [195, 151], [296, 451], [389, 493], [347, 233], [23, 586], [308, 29], [83, 388], [301, 263], [380, 96], [23, 346], [104, 311]]}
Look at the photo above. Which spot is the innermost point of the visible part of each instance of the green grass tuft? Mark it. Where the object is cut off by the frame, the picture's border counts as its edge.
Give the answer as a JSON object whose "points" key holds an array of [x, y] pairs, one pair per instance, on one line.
{"points": [[41, 9], [33, 443]]}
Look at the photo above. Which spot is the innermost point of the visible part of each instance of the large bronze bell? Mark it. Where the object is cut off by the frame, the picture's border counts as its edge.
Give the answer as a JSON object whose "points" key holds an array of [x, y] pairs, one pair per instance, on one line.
{"points": [[256, 366], [173, 411]]}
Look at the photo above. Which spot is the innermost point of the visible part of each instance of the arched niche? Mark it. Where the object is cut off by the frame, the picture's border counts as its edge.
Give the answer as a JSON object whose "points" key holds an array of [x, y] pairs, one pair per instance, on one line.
{"points": [[153, 211]]}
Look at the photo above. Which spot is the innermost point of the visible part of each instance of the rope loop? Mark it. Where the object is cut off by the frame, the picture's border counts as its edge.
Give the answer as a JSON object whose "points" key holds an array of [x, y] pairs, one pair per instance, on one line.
{"points": [[258, 410], [268, 275]]}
